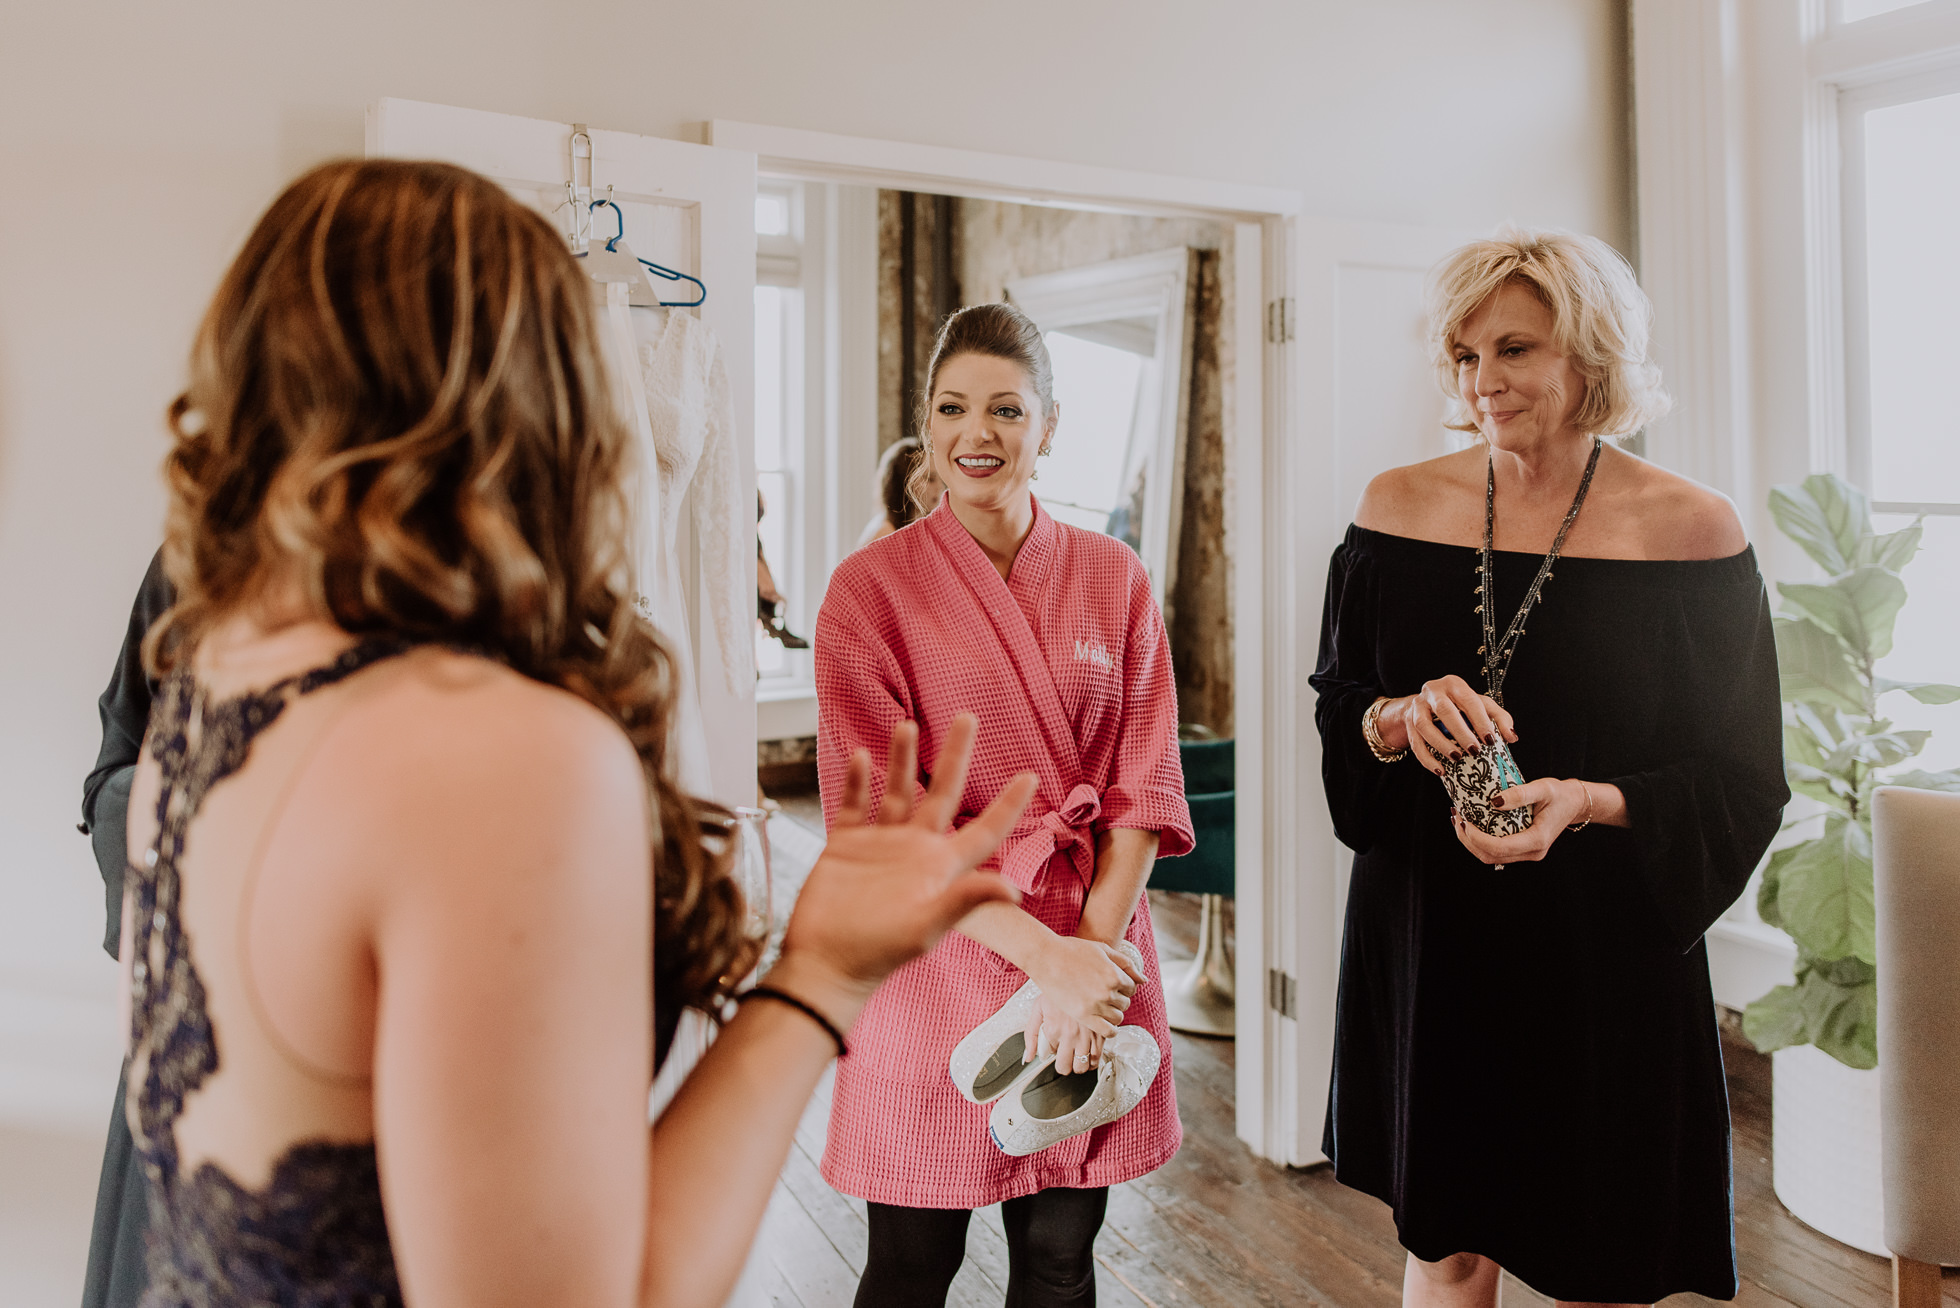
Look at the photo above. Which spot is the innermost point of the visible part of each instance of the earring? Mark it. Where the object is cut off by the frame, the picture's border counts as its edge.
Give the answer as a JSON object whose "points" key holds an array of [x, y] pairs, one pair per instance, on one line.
{"points": [[1045, 450]]}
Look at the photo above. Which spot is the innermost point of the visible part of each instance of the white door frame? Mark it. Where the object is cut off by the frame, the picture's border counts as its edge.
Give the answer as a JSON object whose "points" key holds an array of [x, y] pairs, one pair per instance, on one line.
{"points": [[1276, 633]]}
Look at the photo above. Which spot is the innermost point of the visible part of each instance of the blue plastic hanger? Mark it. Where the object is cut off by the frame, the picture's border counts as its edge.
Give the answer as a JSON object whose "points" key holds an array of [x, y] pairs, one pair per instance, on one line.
{"points": [[612, 247]]}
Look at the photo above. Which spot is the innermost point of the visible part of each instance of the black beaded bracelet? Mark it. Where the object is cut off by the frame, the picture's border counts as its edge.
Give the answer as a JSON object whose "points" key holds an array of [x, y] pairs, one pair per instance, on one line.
{"points": [[770, 992]]}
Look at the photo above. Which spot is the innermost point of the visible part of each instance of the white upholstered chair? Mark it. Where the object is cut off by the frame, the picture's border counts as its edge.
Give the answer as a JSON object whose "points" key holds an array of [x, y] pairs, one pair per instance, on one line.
{"points": [[1916, 855]]}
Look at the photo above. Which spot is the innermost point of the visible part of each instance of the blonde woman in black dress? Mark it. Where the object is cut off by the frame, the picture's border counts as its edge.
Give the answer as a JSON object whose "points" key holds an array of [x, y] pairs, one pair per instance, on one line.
{"points": [[1526, 1058]]}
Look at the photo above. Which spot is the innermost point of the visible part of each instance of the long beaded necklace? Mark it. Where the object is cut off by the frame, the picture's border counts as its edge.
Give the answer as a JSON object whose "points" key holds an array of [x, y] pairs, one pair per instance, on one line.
{"points": [[1497, 653]]}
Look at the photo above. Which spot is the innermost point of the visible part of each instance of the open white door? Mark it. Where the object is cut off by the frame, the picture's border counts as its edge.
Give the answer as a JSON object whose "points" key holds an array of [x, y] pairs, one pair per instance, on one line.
{"points": [[692, 209], [1367, 400]]}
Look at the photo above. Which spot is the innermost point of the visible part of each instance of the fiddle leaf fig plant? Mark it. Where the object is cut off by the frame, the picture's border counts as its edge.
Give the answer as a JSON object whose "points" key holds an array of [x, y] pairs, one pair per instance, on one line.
{"points": [[1837, 748]]}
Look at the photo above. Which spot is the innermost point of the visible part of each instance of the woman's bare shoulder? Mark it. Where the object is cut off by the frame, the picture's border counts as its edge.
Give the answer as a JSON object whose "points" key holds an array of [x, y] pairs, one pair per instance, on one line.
{"points": [[1679, 517], [1420, 500], [456, 735], [484, 702]]}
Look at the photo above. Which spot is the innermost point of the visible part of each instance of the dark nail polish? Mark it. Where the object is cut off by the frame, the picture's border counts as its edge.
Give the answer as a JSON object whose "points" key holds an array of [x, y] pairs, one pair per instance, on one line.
{"points": [[1497, 801], [1456, 756], [1496, 737]]}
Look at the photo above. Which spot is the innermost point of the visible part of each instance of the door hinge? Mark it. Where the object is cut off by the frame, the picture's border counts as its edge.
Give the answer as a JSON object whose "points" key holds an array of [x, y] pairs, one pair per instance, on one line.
{"points": [[1282, 993], [1279, 320]]}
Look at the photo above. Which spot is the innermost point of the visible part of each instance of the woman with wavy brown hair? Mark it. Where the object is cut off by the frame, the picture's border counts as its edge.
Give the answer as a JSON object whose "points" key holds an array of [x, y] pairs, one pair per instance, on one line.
{"points": [[413, 903]]}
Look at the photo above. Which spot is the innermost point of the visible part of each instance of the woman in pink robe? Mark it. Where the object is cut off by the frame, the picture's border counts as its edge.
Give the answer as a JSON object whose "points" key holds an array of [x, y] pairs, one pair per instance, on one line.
{"points": [[1050, 635]]}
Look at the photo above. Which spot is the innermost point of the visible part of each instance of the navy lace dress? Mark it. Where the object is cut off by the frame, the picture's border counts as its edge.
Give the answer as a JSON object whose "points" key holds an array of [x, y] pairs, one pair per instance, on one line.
{"points": [[315, 1235], [1526, 1062]]}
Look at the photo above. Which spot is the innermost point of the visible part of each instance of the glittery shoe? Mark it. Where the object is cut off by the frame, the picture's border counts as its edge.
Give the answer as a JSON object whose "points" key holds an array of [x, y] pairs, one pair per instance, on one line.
{"points": [[990, 1058], [1045, 1107]]}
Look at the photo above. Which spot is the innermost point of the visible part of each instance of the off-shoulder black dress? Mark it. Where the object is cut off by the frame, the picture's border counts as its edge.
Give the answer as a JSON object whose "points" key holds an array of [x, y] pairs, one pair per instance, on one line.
{"points": [[1526, 1061]]}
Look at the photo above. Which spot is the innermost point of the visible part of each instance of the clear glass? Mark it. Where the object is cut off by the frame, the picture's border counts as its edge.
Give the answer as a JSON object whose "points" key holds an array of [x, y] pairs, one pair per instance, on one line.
{"points": [[1853, 10], [778, 432], [771, 659], [749, 835], [1926, 642], [771, 214], [1096, 386], [770, 391], [1912, 194]]}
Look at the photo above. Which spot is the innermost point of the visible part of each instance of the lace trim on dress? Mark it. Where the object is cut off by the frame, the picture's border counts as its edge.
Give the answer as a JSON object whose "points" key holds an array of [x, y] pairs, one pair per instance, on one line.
{"points": [[315, 1235]]}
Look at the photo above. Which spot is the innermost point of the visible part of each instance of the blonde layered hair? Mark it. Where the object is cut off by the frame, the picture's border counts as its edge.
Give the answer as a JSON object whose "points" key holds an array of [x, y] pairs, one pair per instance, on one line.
{"points": [[396, 400], [1600, 321]]}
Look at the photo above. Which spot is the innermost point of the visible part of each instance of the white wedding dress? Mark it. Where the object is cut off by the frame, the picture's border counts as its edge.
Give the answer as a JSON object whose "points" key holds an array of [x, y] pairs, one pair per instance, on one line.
{"points": [[674, 386]]}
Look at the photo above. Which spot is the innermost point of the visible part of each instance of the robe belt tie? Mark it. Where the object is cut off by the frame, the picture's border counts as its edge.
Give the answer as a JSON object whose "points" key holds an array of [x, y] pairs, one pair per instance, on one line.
{"points": [[1070, 829]]}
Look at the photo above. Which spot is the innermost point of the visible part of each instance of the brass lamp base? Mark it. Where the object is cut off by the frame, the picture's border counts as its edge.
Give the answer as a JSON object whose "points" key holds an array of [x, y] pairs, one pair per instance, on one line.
{"points": [[1204, 1001]]}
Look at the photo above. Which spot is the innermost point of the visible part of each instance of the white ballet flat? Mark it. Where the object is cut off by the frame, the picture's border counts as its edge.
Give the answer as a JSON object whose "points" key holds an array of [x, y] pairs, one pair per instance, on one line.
{"points": [[1045, 1106], [989, 1060]]}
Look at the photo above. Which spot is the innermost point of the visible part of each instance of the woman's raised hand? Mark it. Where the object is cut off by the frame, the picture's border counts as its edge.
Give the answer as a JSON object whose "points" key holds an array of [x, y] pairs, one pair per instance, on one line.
{"points": [[883, 893], [1445, 720]]}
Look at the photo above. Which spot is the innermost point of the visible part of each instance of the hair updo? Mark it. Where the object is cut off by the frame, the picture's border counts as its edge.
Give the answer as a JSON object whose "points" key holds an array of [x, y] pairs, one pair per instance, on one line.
{"points": [[999, 331]]}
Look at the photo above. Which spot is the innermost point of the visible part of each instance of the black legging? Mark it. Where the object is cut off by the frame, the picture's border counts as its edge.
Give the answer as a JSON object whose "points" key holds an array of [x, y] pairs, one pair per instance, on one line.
{"points": [[1051, 1235]]}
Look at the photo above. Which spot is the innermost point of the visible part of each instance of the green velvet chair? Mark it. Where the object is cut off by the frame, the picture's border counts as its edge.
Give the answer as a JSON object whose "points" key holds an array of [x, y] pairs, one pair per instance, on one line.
{"points": [[1202, 1001]]}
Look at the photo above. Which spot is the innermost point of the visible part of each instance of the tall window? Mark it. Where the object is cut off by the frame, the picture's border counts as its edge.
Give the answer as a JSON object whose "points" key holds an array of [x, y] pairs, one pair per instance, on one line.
{"points": [[1902, 182], [779, 421], [816, 367]]}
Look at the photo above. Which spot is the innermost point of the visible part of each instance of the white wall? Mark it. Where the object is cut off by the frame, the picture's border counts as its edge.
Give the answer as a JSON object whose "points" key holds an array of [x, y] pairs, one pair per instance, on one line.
{"points": [[138, 142]]}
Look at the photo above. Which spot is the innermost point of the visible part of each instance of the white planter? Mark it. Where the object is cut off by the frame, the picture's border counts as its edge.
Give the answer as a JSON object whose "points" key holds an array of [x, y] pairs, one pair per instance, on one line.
{"points": [[1826, 1147]]}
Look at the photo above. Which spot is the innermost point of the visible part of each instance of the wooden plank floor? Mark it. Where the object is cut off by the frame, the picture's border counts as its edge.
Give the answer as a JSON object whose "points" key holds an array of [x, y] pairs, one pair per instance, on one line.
{"points": [[1218, 1228]]}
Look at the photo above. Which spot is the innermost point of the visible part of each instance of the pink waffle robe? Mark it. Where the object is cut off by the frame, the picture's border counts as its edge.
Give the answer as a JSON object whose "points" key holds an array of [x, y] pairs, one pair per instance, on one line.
{"points": [[1067, 667]]}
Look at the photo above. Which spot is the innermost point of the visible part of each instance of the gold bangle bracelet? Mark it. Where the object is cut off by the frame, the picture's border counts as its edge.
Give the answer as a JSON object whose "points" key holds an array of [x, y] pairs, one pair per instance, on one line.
{"points": [[1585, 821], [1372, 733]]}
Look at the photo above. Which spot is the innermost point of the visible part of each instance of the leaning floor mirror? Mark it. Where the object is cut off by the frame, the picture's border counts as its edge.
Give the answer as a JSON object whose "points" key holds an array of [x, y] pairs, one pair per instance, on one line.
{"points": [[1120, 335]]}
